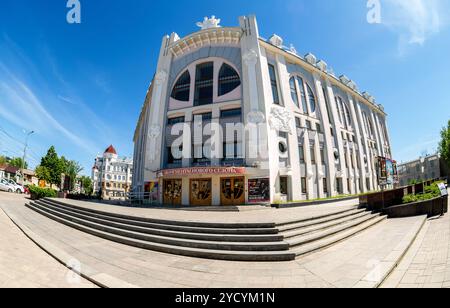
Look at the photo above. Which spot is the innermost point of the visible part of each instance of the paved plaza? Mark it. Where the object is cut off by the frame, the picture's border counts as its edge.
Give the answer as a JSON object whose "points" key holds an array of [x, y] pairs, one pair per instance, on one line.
{"points": [[23, 263], [364, 260]]}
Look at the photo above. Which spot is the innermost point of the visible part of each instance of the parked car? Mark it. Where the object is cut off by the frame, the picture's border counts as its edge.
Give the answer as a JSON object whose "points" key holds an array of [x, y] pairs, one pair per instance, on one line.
{"points": [[5, 186], [16, 187]]}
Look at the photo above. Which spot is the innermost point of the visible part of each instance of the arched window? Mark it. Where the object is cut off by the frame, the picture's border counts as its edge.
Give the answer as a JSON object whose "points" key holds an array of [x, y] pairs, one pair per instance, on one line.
{"points": [[181, 89], [347, 114], [204, 81], [228, 79], [294, 93], [338, 108], [301, 86], [312, 99]]}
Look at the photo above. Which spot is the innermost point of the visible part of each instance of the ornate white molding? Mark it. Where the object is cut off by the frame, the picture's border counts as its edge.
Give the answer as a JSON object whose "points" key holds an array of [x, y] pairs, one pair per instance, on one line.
{"points": [[255, 117], [281, 120], [276, 40], [161, 77], [209, 23], [250, 58]]}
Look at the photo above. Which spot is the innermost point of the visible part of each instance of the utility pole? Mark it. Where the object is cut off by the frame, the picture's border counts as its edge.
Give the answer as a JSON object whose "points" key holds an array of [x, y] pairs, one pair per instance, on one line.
{"points": [[25, 155]]}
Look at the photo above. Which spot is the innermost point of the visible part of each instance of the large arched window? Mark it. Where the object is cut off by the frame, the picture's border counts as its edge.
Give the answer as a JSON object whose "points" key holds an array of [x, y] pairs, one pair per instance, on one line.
{"points": [[228, 79], [294, 93], [301, 86], [312, 99], [181, 89]]}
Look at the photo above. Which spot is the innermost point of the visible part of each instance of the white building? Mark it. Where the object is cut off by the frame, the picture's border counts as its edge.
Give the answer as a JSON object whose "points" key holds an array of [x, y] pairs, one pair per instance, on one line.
{"points": [[112, 175], [316, 135]]}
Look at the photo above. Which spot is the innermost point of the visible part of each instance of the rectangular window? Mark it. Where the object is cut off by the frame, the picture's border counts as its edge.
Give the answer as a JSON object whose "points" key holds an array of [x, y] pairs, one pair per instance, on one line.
{"points": [[318, 128], [339, 185], [231, 113], [205, 116], [301, 151], [308, 125], [313, 155], [204, 81], [298, 123], [352, 160], [274, 84], [304, 188], [346, 159], [325, 186], [174, 121], [322, 155]]}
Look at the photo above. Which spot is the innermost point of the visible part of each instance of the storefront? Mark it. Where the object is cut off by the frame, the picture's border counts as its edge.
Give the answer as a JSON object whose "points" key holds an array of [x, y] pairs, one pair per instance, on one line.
{"points": [[204, 186]]}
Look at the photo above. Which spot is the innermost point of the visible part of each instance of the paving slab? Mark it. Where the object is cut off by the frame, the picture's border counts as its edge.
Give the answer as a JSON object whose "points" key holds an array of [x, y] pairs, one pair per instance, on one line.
{"points": [[360, 261]]}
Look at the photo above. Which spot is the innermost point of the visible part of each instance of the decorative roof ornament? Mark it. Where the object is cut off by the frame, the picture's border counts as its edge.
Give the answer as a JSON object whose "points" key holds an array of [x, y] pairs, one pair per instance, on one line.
{"points": [[209, 23], [311, 59], [344, 79], [293, 50], [276, 40], [322, 65]]}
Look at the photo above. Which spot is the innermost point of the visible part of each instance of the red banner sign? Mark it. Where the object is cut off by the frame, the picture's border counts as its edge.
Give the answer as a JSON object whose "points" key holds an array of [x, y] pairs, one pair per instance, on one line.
{"points": [[202, 171]]}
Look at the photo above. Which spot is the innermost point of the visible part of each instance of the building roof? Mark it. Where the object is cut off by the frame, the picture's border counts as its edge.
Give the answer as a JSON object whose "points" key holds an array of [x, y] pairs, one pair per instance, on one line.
{"points": [[9, 169], [111, 150]]}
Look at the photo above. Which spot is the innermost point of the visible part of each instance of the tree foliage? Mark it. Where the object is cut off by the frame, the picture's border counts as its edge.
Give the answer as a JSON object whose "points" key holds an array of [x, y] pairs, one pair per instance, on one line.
{"points": [[71, 169], [54, 165], [42, 173], [2, 160], [18, 163], [86, 185], [444, 145]]}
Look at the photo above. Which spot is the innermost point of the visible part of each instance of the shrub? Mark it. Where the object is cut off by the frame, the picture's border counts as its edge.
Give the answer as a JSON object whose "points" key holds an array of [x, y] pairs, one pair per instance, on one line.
{"points": [[39, 193], [431, 192]]}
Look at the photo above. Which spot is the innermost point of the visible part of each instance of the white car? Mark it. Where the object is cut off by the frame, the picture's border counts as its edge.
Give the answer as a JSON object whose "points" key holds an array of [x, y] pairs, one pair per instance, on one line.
{"points": [[17, 187], [5, 186]]}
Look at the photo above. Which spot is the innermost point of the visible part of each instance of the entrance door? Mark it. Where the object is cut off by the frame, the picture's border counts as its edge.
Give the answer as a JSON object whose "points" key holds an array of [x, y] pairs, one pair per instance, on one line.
{"points": [[232, 191], [201, 194], [172, 192]]}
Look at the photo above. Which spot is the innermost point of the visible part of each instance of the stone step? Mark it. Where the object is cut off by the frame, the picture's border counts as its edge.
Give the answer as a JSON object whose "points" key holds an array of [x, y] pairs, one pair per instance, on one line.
{"points": [[268, 228], [233, 246], [311, 219], [257, 256], [315, 236], [324, 226], [126, 225], [336, 238], [316, 221]]}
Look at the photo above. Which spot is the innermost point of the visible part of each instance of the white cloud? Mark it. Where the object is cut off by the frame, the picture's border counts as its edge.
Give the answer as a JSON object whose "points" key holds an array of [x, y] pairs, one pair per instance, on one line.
{"points": [[20, 105], [414, 20]]}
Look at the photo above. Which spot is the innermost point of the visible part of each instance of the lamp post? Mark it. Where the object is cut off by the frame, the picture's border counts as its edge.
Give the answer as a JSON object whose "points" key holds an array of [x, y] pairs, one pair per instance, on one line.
{"points": [[24, 155]]}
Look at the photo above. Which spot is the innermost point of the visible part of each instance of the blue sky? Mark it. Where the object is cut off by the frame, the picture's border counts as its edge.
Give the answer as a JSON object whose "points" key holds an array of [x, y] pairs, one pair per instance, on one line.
{"points": [[81, 87]]}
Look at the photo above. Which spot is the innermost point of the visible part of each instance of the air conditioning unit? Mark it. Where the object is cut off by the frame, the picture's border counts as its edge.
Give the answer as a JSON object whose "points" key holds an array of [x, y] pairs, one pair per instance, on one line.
{"points": [[276, 40], [311, 59]]}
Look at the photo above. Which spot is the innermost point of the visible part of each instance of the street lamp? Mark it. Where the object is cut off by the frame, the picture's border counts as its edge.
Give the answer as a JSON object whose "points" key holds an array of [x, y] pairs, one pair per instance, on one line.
{"points": [[24, 155]]}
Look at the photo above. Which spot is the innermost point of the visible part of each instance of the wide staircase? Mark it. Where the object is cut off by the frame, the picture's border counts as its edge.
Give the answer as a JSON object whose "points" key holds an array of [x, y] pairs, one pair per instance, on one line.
{"points": [[222, 241]]}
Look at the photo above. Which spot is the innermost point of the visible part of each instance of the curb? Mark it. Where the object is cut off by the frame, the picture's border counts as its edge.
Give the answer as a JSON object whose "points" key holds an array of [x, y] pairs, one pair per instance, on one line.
{"points": [[101, 280]]}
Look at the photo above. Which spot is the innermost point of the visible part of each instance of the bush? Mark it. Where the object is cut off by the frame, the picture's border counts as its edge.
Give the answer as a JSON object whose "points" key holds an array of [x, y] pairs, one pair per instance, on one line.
{"points": [[431, 192], [39, 193]]}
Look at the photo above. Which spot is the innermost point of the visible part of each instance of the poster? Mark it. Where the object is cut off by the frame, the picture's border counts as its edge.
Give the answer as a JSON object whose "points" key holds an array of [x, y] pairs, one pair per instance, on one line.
{"points": [[152, 191], [258, 190]]}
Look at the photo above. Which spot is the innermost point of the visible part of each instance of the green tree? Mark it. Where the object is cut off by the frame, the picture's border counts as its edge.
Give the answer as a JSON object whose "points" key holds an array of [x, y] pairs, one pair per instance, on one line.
{"points": [[71, 169], [17, 162], [2, 160], [54, 165], [444, 145], [42, 173], [86, 185]]}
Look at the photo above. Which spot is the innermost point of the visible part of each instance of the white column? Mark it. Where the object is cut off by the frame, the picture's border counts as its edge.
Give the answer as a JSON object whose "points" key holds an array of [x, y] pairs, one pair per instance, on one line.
{"points": [[327, 134]]}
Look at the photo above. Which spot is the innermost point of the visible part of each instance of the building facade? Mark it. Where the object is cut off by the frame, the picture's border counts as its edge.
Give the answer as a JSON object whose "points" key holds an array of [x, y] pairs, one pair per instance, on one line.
{"points": [[231, 118], [422, 169], [112, 175]]}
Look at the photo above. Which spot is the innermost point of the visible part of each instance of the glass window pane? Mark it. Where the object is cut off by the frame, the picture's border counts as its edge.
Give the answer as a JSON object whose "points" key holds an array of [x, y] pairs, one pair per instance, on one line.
{"points": [[312, 99], [301, 86], [294, 93], [204, 80], [228, 79], [181, 89], [274, 84]]}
